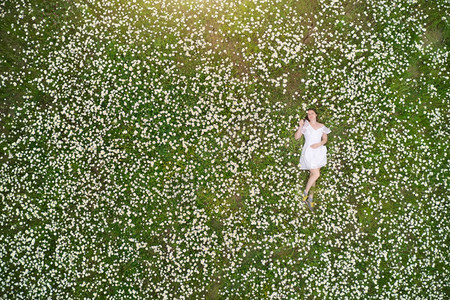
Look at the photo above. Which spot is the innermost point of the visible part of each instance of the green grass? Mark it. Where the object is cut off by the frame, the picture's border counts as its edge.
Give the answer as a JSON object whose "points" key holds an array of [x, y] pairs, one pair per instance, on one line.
{"points": [[193, 150]]}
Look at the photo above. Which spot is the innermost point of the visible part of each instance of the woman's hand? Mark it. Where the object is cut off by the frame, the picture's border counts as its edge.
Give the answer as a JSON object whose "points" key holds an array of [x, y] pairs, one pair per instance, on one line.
{"points": [[316, 145], [301, 122]]}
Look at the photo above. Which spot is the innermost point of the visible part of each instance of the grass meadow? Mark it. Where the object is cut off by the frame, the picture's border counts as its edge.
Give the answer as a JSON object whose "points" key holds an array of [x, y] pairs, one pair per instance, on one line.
{"points": [[147, 149]]}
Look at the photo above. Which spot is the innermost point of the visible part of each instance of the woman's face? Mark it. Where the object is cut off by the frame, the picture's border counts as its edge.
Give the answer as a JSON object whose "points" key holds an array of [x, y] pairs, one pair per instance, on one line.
{"points": [[311, 115]]}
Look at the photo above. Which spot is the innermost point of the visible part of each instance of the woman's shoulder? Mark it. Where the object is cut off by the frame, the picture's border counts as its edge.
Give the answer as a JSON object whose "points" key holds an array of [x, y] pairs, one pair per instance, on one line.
{"points": [[325, 129]]}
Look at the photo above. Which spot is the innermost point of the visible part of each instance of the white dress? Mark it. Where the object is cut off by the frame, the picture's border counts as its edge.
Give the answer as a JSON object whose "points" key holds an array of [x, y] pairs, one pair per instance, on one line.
{"points": [[313, 158]]}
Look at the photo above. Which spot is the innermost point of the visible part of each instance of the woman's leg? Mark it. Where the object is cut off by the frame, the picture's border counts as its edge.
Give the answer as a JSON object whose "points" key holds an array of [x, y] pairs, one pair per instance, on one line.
{"points": [[311, 194], [314, 174]]}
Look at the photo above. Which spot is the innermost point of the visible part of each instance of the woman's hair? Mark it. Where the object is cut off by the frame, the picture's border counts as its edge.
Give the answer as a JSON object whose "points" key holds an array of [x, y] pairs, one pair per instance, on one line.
{"points": [[306, 118]]}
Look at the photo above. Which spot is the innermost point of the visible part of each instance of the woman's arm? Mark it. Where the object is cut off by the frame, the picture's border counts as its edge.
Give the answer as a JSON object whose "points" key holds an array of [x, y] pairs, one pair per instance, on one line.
{"points": [[299, 133], [322, 142], [324, 139]]}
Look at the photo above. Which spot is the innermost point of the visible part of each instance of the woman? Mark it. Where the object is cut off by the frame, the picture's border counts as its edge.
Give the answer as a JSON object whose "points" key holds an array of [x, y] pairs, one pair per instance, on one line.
{"points": [[314, 153]]}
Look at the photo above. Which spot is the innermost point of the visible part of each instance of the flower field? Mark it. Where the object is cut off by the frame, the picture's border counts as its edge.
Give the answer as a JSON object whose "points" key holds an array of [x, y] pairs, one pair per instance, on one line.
{"points": [[147, 149]]}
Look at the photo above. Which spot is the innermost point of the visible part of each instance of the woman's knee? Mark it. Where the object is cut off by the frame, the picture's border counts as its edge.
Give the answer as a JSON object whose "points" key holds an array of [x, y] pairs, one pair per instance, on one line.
{"points": [[315, 172]]}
